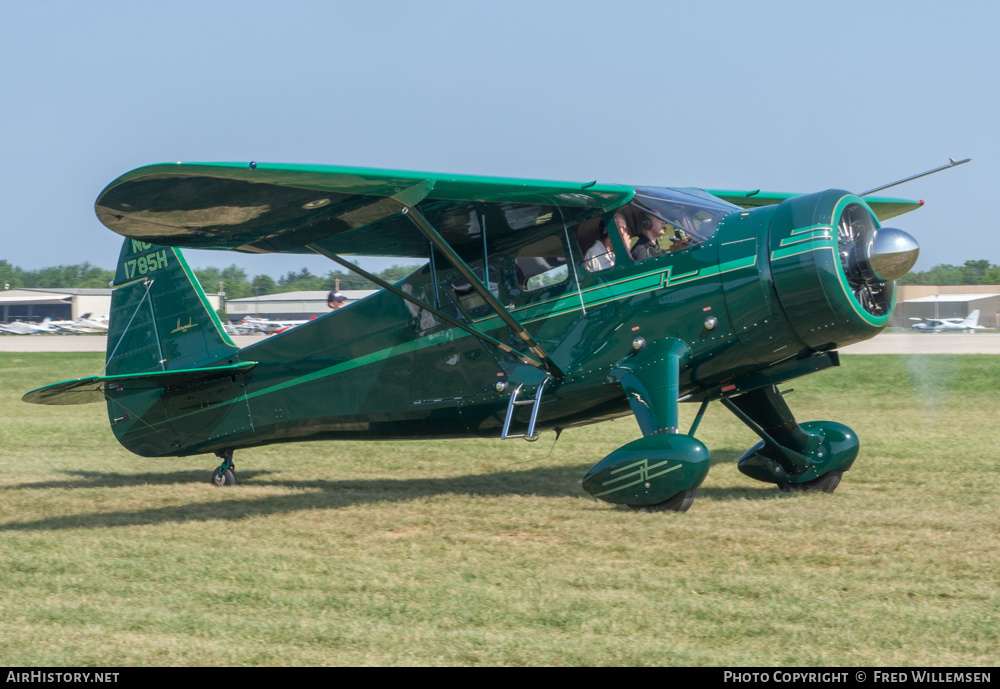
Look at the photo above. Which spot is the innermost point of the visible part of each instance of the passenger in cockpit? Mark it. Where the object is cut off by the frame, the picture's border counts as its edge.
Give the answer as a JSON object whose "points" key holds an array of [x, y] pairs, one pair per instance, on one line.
{"points": [[624, 232], [600, 256]]}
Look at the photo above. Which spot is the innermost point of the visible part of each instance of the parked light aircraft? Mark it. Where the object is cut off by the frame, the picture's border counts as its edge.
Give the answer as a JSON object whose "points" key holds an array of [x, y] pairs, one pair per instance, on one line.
{"points": [[88, 323], [47, 325], [266, 326], [80, 326], [937, 325], [26, 328], [531, 314], [65, 327]]}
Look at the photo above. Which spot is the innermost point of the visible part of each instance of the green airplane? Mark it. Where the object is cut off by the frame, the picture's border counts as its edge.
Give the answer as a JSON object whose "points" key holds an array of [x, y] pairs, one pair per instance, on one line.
{"points": [[542, 305]]}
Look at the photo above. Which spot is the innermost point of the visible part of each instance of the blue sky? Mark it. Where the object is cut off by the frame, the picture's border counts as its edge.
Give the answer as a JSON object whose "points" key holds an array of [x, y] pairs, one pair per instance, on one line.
{"points": [[782, 96]]}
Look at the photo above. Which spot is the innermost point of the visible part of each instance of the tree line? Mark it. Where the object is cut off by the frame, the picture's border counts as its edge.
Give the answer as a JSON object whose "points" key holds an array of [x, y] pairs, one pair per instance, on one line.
{"points": [[236, 284], [972, 273], [234, 280]]}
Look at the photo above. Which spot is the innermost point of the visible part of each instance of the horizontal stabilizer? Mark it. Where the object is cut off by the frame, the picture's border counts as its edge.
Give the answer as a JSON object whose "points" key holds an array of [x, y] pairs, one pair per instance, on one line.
{"points": [[92, 388]]}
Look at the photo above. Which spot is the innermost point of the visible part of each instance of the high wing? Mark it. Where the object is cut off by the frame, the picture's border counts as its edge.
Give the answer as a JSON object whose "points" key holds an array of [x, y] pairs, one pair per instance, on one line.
{"points": [[883, 207], [261, 208]]}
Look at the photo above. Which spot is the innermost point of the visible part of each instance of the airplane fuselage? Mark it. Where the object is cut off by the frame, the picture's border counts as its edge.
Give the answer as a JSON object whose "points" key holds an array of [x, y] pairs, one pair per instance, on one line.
{"points": [[743, 303]]}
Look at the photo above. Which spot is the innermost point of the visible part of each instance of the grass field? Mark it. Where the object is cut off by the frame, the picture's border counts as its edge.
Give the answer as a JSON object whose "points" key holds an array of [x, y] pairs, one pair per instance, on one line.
{"points": [[481, 552]]}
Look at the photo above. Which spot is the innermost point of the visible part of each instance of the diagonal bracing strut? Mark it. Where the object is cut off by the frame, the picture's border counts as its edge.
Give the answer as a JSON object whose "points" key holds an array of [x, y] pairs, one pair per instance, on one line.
{"points": [[414, 300], [417, 218]]}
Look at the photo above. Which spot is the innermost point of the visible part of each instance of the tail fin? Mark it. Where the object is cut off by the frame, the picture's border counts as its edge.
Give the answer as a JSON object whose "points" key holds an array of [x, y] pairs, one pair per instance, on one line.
{"points": [[972, 320], [160, 317]]}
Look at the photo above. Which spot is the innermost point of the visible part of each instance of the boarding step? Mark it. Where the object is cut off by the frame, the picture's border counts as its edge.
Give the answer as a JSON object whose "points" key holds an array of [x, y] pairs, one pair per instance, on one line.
{"points": [[516, 401]]}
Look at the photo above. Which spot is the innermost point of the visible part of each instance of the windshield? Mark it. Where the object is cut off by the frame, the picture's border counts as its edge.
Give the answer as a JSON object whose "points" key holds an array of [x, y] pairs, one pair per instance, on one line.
{"points": [[678, 218]]}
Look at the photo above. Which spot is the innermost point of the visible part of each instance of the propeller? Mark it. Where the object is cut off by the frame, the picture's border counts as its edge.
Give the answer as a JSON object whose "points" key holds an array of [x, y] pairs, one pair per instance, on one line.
{"points": [[872, 257]]}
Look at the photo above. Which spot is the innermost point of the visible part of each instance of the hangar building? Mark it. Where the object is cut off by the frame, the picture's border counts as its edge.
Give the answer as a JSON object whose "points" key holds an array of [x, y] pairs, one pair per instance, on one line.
{"points": [[947, 301], [30, 304]]}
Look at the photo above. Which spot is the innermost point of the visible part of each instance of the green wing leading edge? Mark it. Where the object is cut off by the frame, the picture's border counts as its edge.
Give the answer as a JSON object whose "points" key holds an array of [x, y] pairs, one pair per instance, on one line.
{"points": [[530, 314]]}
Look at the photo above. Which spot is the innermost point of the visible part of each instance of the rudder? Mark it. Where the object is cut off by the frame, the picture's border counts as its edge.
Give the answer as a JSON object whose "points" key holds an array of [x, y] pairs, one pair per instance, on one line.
{"points": [[161, 319]]}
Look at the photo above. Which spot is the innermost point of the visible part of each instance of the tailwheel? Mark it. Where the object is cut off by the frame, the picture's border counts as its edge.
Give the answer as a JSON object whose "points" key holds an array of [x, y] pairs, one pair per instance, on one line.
{"points": [[827, 483], [679, 503], [225, 474]]}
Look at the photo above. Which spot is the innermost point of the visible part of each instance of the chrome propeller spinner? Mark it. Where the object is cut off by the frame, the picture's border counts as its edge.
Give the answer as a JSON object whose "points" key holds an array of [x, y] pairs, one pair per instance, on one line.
{"points": [[891, 253]]}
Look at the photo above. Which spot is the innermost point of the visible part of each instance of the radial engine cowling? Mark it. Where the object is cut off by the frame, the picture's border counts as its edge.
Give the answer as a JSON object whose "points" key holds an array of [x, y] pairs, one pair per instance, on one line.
{"points": [[834, 267]]}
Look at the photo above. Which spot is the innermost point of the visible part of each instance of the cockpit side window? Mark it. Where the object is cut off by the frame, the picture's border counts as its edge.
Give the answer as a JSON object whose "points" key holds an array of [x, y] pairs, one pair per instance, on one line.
{"points": [[674, 219]]}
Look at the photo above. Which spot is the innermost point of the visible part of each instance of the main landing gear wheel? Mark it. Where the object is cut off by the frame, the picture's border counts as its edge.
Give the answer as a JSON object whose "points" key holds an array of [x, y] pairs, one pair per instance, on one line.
{"points": [[227, 478], [679, 503], [826, 483], [225, 474]]}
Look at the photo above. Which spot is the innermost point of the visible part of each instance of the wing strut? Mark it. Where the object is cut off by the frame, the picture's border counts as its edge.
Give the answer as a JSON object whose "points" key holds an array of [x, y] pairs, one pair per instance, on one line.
{"points": [[417, 218], [436, 312]]}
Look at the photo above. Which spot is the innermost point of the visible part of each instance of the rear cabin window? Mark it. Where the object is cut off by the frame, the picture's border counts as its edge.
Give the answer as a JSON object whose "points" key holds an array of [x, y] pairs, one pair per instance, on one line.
{"points": [[469, 298], [541, 264]]}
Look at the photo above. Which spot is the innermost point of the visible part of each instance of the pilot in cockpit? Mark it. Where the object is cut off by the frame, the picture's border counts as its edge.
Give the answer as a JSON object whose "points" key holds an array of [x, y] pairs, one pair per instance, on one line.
{"points": [[651, 228], [673, 219]]}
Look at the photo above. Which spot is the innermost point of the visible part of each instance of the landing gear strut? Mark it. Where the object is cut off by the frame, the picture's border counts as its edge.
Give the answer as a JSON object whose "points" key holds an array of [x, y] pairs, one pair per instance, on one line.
{"points": [[225, 474], [660, 471], [811, 456]]}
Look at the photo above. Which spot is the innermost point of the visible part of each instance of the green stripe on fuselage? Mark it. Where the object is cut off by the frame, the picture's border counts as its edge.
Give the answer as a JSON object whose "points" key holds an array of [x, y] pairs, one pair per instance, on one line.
{"points": [[801, 248], [797, 237], [613, 291]]}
